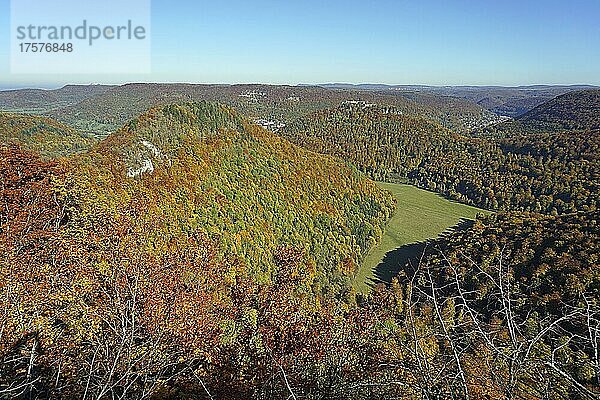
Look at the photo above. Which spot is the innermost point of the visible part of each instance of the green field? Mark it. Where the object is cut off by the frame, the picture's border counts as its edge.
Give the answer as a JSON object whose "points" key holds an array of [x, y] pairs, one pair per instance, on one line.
{"points": [[419, 215]]}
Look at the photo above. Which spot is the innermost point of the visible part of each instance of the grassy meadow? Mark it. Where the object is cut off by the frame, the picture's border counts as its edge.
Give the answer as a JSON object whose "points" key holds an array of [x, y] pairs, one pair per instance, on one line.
{"points": [[420, 215]]}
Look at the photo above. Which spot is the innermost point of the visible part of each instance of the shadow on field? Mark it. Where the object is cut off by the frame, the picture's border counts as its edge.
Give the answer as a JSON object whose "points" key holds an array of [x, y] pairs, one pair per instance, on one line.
{"points": [[397, 260]]}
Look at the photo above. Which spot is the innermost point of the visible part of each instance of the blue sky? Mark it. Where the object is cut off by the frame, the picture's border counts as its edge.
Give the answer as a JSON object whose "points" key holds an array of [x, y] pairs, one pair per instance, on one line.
{"points": [[454, 42]]}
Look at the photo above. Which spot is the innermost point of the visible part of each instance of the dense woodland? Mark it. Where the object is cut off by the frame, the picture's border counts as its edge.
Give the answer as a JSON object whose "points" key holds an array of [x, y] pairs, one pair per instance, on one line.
{"points": [[575, 111], [549, 173], [505, 101], [505, 309], [44, 136], [196, 250], [103, 109], [193, 254], [571, 111]]}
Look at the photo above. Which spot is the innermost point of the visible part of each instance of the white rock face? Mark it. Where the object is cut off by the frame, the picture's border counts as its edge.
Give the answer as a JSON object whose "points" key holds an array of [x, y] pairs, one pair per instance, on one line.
{"points": [[146, 166], [142, 162], [155, 151]]}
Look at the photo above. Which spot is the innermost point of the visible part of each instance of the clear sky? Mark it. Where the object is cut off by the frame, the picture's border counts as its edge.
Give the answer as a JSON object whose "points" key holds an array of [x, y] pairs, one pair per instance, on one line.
{"points": [[436, 42]]}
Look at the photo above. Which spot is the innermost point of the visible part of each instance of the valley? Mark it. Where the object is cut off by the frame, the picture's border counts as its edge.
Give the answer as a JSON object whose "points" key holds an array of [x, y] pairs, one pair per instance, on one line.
{"points": [[248, 241], [419, 216], [300, 200], [99, 109]]}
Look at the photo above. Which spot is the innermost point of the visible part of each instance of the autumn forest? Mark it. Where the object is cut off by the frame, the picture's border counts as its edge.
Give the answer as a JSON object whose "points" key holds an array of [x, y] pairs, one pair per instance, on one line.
{"points": [[178, 241]]}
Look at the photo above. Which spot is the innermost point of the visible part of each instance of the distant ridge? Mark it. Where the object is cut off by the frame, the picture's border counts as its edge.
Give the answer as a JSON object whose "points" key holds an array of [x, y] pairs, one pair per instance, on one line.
{"points": [[510, 101], [102, 109], [44, 100], [380, 86], [41, 135], [575, 110]]}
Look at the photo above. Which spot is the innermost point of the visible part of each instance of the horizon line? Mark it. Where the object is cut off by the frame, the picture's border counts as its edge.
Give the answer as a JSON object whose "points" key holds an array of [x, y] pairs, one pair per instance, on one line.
{"points": [[350, 85]]}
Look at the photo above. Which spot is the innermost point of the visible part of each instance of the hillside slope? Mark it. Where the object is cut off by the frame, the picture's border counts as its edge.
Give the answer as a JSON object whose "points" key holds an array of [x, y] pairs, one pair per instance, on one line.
{"points": [[45, 100], [271, 192], [42, 135], [195, 231], [517, 173], [576, 110], [571, 111], [111, 107], [505, 101], [194, 252], [517, 293]]}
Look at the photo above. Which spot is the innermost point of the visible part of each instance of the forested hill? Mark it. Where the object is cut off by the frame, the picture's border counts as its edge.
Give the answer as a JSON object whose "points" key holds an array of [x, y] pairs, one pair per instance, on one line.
{"points": [[571, 111], [42, 135], [43, 100], [202, 168], [551, 258], [102, 109], [549, 173], [381, 141], [195, 252], [506, 101], [577, 110], [512, 302], [215, 237]]}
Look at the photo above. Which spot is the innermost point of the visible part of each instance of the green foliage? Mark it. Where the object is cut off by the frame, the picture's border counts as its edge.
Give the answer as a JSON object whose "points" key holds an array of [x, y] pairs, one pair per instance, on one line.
{"points": [[42, 135], [549, 173], [553, 259], [572, 111], [103, 109], [194, 252], [191, 244], [244, 187], [420, 215], [506, 308]]}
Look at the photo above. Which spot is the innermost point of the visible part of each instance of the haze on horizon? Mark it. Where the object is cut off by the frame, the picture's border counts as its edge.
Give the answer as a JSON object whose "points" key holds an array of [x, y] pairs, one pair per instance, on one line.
{"points": [[433, 42]]}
